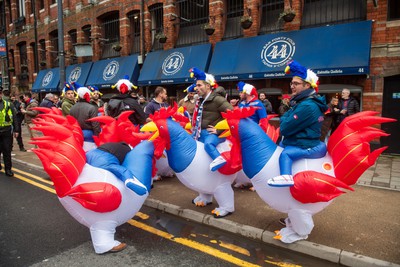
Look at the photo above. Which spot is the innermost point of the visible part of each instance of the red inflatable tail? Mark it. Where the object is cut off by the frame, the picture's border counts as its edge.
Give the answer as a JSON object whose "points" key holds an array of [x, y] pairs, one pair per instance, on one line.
{"points": [[349, 145]]}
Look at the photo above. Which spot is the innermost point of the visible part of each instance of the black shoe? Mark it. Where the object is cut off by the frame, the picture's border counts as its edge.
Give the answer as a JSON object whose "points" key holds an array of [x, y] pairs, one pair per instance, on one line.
{"points": [[282, 221], [9, 173], [22, 149]]}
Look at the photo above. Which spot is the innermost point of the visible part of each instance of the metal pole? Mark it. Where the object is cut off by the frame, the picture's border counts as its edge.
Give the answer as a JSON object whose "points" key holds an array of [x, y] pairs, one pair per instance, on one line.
{"points": [[61, 56], [6, 71], [36, 56]]}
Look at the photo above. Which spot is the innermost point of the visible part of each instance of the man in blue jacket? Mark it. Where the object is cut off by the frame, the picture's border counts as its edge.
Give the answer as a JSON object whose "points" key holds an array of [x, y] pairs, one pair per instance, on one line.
{"points": [[300, 126]]}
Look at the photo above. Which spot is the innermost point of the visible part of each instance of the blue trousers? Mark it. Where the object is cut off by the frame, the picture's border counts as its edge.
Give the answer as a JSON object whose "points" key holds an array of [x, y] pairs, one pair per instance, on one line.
{"points": [[88, 135], [210, 143], [109, 162], [292, 153]]}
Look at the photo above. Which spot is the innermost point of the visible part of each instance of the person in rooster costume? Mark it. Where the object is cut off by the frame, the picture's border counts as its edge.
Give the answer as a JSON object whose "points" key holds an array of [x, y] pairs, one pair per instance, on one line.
{"points": [[250, 99], [207, 114], [125, 87], [300, 126], [83, 111], [110, 157]]}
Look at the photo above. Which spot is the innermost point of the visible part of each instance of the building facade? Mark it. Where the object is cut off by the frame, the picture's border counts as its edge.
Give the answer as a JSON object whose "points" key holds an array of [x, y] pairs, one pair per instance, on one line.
{"points": [[357, 40]]}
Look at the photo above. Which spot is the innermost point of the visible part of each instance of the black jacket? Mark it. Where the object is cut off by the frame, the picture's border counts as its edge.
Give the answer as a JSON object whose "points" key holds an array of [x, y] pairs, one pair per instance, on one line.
{"points": [[83, 111], [138, 117]]}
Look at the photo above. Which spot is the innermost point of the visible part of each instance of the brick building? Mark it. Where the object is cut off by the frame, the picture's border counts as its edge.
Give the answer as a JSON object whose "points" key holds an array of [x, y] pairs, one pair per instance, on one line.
{"points": [[349, 43]]}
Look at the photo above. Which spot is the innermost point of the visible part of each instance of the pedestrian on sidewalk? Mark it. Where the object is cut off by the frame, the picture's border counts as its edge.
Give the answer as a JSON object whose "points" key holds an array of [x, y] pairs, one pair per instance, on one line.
{"points": [[48, 101], [7, 124], [30, 114], [19, 105]]}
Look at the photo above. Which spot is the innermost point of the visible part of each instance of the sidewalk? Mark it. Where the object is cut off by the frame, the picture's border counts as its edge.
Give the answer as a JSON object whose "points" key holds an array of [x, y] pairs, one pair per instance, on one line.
{"points": [[360, 228]]}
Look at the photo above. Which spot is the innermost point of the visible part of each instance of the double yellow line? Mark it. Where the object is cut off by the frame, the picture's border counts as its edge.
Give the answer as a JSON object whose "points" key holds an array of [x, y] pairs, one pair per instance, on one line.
{"points": [[48, 186]]}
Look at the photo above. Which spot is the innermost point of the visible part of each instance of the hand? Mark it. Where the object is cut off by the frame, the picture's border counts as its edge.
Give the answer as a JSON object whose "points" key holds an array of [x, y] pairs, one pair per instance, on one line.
{"points": [[211, 129], [343, 111], [16, 135]]}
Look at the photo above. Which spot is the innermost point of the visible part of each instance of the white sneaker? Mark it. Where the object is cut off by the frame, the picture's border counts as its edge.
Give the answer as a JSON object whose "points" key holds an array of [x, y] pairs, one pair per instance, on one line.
{"points": [[217, 163], [281, 180]]}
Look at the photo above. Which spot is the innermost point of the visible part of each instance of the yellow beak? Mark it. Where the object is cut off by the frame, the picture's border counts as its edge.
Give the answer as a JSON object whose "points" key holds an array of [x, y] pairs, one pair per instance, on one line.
{"points": [[223, 125], [150, 127]]}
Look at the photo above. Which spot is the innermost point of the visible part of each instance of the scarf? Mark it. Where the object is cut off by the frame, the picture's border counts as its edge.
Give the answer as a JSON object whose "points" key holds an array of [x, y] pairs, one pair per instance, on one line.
{"points": [[197, 115]]}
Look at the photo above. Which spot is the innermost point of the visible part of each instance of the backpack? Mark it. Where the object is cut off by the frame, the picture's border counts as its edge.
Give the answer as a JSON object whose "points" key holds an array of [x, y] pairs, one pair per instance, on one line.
{"points": [[115, 107]]}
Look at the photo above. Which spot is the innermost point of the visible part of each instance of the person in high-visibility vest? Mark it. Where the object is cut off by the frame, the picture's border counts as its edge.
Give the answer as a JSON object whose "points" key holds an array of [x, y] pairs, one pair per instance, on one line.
{"points": [[8, 125]]}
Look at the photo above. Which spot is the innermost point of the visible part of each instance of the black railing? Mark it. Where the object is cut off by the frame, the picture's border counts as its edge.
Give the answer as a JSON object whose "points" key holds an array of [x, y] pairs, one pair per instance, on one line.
{"points": [[192, 15], [327, 12], [270, 21], [110, 27], [157, 25], [234, 12]]}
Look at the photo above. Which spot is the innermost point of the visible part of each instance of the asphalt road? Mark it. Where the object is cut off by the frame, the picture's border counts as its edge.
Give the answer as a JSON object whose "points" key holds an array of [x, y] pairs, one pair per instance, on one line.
{"points": [[35, 230]]}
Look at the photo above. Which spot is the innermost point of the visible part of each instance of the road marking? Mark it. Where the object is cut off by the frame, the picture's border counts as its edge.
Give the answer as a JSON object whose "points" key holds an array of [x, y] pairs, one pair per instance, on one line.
{"points": [[49, 189], [34, 176], [183, 241], [193, 244]]}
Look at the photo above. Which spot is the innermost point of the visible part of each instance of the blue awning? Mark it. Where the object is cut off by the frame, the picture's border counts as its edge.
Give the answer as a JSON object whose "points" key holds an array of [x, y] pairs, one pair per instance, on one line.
{"points": [[47, 81], [172, 66], [78, 73], [331, 50], [107, 72]]}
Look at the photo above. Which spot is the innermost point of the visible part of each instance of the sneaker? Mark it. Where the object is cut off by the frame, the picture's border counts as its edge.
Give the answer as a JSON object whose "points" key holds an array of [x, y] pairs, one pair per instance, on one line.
{"points": [[217, 163], [22, 149], [281, 180], [118, 248]]}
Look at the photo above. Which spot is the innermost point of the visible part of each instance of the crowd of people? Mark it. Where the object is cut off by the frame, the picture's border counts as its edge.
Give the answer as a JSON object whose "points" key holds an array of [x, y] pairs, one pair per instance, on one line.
{"points": [[203, 103]]}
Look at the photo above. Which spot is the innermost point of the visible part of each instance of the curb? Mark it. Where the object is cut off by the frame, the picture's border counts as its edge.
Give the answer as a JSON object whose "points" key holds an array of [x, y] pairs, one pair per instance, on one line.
{"points": [[323, 252], [305, 247]]}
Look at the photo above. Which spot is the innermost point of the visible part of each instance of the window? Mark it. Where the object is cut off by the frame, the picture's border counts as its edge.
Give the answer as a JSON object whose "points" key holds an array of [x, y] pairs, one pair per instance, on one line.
{"points": [[23, 54], [270, 11], [192, 15], [87, 32], [53, 48], [393, 9], [71, 54], [42, 50], [322, 12], [234, 11], [21, 8], [134, 21], [110, 33], [157, 25], [35, 55], [41, 4]]}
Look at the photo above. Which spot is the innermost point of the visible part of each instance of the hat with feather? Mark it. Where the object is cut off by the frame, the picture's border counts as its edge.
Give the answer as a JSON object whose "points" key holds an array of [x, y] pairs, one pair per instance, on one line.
{"points": [[190, 89], [83, 92], [67, 87], [247, 89], [124, 85], [202, 76], [94, 88], [306, 75]]}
